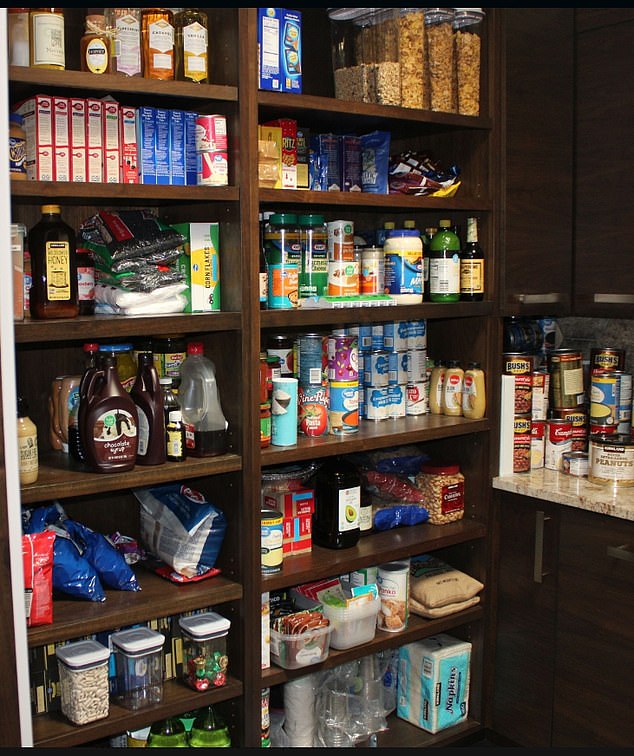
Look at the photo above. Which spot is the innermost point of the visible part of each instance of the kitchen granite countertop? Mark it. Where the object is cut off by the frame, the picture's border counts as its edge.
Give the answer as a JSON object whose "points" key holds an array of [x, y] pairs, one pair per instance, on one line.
{"points": [[572, 491]]}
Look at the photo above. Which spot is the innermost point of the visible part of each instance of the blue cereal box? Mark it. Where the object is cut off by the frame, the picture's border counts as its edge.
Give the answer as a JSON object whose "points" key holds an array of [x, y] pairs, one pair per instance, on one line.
{"points": [[191, 157], [177, 147], [162, 146], [433, 682], [146, 128]]}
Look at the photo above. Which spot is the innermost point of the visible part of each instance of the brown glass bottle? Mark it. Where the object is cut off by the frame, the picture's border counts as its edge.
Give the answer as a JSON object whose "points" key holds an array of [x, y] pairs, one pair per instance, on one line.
{"points": [[110, 421], [157, 43], [337, 504], [148, 396], [52, 246]]}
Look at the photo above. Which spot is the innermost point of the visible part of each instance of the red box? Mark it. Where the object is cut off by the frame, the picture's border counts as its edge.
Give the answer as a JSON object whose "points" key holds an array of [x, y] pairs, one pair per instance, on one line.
{"points": [[128, 145], [94, 139], [298, 534], [77, 116], [61, 138], [37, 115]]}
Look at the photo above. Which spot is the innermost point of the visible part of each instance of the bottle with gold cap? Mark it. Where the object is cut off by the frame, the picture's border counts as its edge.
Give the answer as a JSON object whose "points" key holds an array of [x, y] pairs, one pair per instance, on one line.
{"points": [[52, 246]]}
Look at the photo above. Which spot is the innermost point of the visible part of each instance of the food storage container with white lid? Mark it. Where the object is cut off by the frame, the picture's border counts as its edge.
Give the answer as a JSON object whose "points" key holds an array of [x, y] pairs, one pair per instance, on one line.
{"points": [[139, 666], [205, 660], [83, 678], [467, 32], [440, 58]]}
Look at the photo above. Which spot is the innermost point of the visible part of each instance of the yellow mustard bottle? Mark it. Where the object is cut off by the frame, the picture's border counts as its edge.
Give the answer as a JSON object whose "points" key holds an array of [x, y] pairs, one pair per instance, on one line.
{"points": [[435, 387], [474, 392], [452, 389]]}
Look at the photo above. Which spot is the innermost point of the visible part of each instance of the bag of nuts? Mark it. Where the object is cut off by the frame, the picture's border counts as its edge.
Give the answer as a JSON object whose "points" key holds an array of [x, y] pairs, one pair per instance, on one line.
{"points": [[443, 489]]}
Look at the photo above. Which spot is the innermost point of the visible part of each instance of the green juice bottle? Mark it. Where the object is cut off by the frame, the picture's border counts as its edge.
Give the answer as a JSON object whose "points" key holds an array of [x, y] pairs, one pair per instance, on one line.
{"points": [[444, 265]]}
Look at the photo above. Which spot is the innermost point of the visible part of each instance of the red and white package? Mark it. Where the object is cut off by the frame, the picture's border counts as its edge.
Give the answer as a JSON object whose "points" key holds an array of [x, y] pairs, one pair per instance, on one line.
{"points": [[37, 559]]}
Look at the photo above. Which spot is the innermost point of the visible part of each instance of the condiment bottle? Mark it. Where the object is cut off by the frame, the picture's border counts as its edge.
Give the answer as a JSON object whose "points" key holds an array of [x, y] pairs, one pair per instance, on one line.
{"points": [[85, 281], [472, 266], [191, 45], [46, 38], [337, 504], [90, 350], [205, 423], [452, 389], [474, 393], [124, 362], [444, 265], [124, 29], [54, 291], [17, 147], [436, 381], [157, 41], [147, 394], [27, 445], [95, 46], [109, 424], [174, 426]]}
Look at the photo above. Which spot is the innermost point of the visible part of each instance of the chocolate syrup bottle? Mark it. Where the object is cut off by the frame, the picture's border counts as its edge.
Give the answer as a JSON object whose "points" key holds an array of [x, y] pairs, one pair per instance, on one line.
{"points": [[147, 394]]}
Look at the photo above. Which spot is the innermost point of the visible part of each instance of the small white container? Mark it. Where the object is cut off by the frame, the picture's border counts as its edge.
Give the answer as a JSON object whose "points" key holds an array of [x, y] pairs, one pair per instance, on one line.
{"points": [[139, 666], [352, 626], [83, 677], [205, 660], [300, 650]]}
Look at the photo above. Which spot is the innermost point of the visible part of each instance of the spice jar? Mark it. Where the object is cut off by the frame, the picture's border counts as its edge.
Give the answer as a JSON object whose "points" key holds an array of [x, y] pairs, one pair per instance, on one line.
{"points": [[443, 489], [467, 26], [83, 680], [205, 660]]}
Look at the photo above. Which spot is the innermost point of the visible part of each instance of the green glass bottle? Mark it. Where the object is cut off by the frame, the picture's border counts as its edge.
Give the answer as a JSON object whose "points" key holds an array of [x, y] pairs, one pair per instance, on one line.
{"points": [[444, 265]]}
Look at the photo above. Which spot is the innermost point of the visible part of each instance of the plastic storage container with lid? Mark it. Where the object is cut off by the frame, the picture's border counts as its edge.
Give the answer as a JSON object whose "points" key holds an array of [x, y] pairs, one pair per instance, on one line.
{"points": [[353, 625], [205, 660], [443, 487], [411, 43], [83, 678], [440, 58], [467, 29], [138, 666], [353, 54]]}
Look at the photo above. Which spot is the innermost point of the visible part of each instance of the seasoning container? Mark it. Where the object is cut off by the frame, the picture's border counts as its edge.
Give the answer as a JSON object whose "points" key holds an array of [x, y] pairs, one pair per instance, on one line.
{"points": [[611, 460], [467, 31], [46, 38], [411, 43], [283, 258], [443, 487], [205, 660], [157, 43], [123, 26], [175, 443], [313, 274], [473, 392], [83, 681], [191, 45], [444, 264], [138, 667], [27, 445], [17, 147], [94, 46], [440, 58]]}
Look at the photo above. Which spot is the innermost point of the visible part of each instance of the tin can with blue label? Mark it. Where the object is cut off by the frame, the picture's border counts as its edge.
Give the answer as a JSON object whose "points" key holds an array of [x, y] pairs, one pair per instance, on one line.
{"points": [[417, 334], [376, 368], [284, 412], [377, 403], [312, 359], [397, 368], [395, 335], [397, 401]]}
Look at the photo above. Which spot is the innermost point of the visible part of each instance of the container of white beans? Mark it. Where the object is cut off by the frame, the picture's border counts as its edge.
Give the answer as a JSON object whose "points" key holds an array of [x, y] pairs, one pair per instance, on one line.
{"points": [[83, 678]]}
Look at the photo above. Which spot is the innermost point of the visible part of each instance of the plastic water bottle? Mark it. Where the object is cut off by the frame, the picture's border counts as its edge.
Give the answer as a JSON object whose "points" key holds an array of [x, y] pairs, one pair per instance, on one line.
{"points": [[205, 423]]}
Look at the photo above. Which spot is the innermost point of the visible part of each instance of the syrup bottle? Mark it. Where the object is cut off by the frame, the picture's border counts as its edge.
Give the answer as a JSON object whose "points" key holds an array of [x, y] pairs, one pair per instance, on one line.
{"points": [[147, 395]]}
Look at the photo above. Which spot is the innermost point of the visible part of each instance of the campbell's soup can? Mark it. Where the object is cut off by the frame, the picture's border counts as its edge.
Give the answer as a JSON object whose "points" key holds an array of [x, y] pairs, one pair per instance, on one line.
{"points": [[604, 399], [565, 367], [579, 419], [522, 443], [520, 366], [538, 439], [558, 442], [607, 358]]}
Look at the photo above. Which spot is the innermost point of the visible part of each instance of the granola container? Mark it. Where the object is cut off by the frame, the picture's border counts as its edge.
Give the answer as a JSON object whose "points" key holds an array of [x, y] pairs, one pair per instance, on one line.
{"points": [[413, 72], [440, 58], [467, 32]]}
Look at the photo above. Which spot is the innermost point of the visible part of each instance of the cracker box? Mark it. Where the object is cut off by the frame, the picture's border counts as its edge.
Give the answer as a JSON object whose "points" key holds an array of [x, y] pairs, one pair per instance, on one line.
{"points": [[37, 119], [289, 150], [200, 263], [273, 134], [61, 138], [129, 172], [94, 139], [433, 682], [325, 162], [111, 150], [269, 66], [303, 137]]}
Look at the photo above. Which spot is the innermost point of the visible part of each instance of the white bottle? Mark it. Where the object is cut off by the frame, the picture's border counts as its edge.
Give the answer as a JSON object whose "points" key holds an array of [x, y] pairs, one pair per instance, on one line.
{"points": [[27, 445], [205, 423]]}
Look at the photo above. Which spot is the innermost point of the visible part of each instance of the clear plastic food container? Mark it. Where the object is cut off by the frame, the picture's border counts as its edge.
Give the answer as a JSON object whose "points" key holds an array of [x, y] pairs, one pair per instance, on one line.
{"points": [[411, 44], [83, 678], [205, 660], [467, 32], [292, 651], [139, 666], [353, 625], [440, 58]]}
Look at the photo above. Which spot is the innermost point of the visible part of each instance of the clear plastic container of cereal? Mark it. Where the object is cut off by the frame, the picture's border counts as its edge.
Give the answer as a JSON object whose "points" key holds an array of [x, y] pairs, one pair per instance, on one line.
{"points": [[352, 44], [83, 680], [440, 58], [205, 660], [387, 67], [443, 489], [467, 32], [413, 73]]}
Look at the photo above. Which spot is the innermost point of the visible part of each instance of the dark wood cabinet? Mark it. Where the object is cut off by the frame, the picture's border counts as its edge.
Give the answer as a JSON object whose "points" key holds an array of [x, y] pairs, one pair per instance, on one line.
{"points": [[536, 177], [526, 599], [604, 155]]}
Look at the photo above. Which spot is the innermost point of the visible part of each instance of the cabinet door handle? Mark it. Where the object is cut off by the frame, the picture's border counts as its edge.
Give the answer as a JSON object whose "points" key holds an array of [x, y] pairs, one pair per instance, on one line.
{"points": [[553, 296], [621, 552], [538, 564], [614, 298]]}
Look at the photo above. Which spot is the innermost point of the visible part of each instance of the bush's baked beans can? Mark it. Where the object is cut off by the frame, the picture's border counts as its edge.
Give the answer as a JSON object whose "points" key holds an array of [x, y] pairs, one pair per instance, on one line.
{"points": [[392, 581], [538, 434], [558, 442], [272, 536], [607, 358], [522, 443], [611, 460], [565, 367], [579, 419], [540, 382], [604, 400], [520, 366]]}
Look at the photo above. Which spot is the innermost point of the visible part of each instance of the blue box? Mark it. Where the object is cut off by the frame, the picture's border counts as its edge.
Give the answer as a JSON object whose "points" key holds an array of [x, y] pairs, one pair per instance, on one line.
{"points": [[162, 146], [291, 51], [191, 158], [146, 128], [269, 38], [177, 147], [325, 162]]}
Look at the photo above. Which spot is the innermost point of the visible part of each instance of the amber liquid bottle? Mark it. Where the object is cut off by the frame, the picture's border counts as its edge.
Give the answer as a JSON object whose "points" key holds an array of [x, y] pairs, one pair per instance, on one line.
{"points": [[192, 62], [52, 246], [157, 42]]}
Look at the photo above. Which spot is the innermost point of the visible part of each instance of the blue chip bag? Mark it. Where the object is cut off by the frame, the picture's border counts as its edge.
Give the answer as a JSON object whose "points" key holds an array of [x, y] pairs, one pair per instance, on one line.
{"points": [[375, 162]]}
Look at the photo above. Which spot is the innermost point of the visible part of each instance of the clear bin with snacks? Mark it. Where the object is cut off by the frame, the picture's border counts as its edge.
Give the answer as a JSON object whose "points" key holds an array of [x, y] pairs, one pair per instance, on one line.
{"points": [[352, 625], [295, 650], [83, 681], [440, 58], [205, 660]]}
